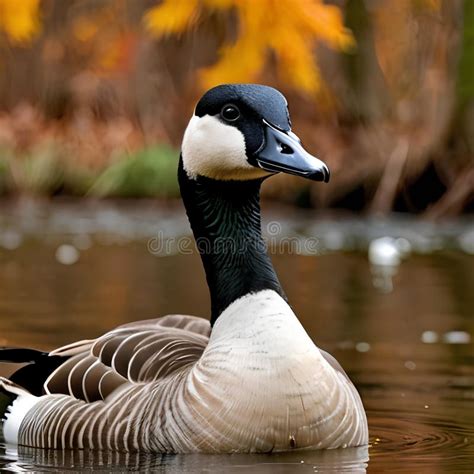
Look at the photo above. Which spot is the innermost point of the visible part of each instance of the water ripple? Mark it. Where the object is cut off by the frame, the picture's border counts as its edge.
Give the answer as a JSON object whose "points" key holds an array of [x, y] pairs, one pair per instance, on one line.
{"points": [[420, 438]]}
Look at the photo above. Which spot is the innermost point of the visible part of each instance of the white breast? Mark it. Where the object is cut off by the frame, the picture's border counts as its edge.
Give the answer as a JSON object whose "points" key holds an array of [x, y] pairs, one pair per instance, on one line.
{"points": [[262, 383], [263, 324]]}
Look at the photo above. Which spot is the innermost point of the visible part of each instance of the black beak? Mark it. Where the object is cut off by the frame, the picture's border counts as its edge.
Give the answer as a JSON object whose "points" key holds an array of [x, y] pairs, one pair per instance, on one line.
{"points": [[282, 152]]}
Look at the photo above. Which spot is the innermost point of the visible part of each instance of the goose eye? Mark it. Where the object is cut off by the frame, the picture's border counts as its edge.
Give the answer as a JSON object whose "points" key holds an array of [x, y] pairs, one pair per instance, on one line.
{"points": [[230, 113]]}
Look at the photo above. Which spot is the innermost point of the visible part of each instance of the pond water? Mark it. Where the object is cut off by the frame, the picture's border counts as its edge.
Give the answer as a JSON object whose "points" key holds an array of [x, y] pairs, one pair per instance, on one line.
{"points": [[407, 346]]}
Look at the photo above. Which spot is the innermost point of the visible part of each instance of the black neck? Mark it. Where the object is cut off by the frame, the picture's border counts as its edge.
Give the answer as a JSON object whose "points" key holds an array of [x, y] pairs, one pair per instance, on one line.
{"points": [[225, 219]]}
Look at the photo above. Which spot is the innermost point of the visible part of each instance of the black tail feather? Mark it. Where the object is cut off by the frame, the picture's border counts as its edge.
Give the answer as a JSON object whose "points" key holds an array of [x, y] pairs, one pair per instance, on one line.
{"points": [[20, 355], [39, 365], [6, 399]]}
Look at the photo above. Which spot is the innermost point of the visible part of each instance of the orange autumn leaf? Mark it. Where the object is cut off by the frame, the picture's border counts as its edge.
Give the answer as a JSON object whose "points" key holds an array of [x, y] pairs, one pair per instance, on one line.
{"points": [[172, 17], [19, 19], [289, 29]]}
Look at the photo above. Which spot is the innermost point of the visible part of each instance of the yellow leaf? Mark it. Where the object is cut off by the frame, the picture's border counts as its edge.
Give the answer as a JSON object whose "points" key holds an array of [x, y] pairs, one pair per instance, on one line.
{"points": [[240, 62], [173, 16], [325, 23], [219, 4], [288, 28], [19, 19], [297, 65]]}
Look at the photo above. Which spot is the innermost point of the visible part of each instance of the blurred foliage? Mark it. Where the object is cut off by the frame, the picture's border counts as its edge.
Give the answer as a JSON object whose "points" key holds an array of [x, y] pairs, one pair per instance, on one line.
{"points": [[466, 63], [287, 28], [19, 19], [380, 89], [38, 172], [3, 174], [148, 173]]}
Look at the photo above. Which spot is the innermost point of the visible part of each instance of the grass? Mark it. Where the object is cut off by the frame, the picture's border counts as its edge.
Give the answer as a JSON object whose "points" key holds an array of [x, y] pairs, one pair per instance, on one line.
{"points": [[3, 174], [148, 173], [49, 170]]}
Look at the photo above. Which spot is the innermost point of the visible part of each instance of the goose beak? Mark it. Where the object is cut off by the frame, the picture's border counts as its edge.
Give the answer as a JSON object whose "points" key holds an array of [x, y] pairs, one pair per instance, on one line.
{"points": [[283, 152]]}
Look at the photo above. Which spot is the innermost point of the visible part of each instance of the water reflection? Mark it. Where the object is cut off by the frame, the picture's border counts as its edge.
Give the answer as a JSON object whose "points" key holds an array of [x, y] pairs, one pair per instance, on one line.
{"points": [[385, 255], [353, 460]]}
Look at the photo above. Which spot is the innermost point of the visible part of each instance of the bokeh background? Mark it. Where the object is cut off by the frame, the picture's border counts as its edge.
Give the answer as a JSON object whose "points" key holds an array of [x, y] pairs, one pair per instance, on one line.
{"points": [[95, 95]]}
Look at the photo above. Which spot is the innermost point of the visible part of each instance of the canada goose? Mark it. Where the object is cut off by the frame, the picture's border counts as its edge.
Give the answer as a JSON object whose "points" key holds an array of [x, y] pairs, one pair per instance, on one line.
{"points": [[251, 380]]}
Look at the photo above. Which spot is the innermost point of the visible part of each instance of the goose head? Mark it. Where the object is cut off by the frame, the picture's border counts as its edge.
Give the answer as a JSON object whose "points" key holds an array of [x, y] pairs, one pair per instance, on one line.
{"points": [[242, 132]]}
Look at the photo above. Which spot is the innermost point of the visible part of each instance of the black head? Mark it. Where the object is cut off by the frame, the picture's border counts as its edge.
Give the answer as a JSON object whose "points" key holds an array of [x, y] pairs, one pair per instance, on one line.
{"points": [[243, 131], [254, 103]]}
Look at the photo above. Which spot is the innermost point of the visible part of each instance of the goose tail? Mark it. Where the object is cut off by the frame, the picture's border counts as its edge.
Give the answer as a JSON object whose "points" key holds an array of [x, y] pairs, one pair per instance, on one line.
{"points": [[15, 402], [36, 366]]}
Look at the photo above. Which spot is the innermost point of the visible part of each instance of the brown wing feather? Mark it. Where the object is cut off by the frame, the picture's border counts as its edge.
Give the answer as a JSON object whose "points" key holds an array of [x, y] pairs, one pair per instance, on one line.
{"points": [[192, 324], [142, 351]]}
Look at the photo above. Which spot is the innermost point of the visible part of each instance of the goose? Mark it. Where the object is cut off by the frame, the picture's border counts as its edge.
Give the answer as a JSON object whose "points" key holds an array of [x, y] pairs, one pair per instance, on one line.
{"points": [[250, 380]]}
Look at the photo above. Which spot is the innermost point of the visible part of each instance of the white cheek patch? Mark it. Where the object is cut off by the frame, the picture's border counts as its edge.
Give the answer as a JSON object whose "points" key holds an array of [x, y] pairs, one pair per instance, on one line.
{"points": [[215, 150]]}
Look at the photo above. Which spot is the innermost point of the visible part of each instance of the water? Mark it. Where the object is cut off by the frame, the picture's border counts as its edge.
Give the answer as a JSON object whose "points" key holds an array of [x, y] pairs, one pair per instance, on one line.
{"points": [[419, 395]]}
